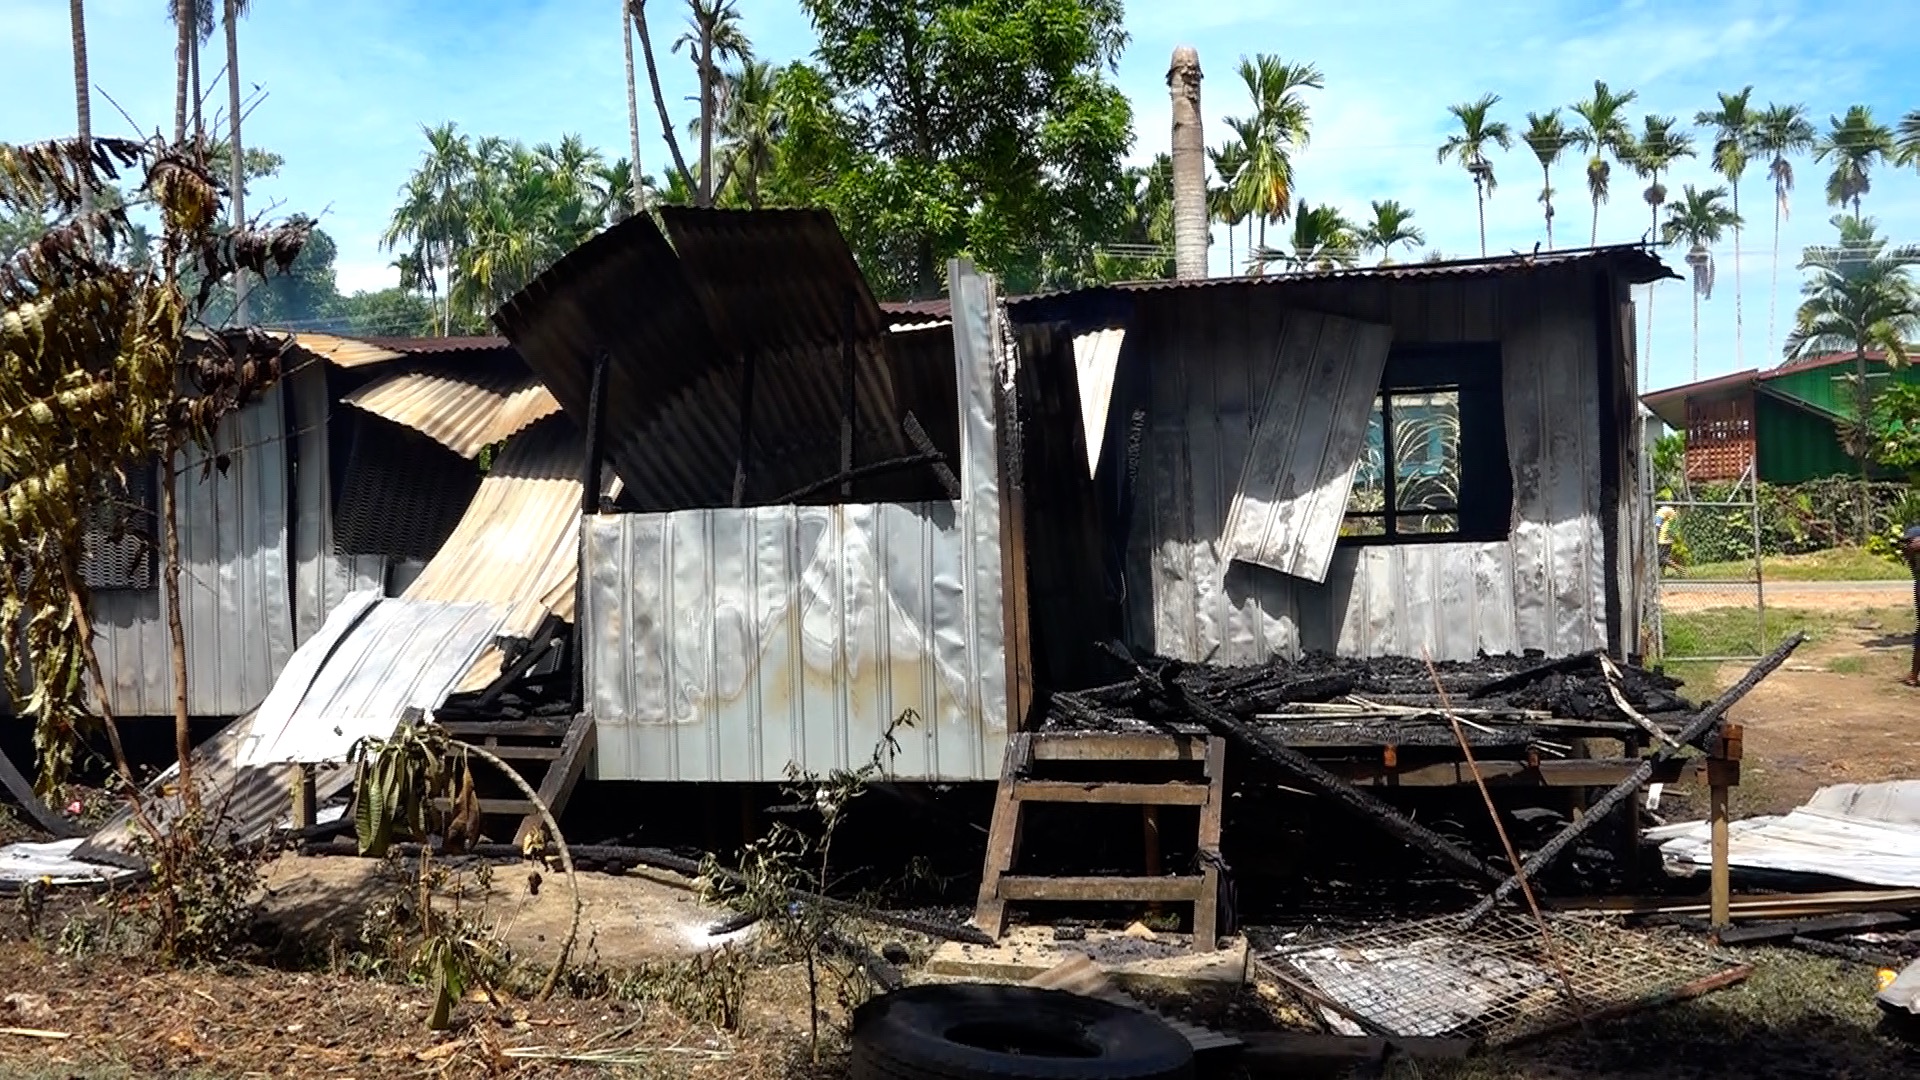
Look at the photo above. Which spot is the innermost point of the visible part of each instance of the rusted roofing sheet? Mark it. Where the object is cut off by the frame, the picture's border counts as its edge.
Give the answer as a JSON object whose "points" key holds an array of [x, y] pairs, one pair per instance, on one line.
{"points": [[345, 352], [676, 328], [353, 352], [464, 412]]}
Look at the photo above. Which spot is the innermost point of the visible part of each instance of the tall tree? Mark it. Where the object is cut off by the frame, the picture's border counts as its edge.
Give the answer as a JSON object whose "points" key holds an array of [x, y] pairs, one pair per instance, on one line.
{"points": [[639, 10], [432, 217], [751, 125], [1652, 155], [1548, 138], [1780, 132], [1699, 220], [1855, 144], [636, 204], [1469, 145], [1908, 146], [1189, 165], [1392, 224], [184, 14], [1733, 125], [1322, 239], [236, 153], [1223, 199], [1603, 131], [1279, 125], [979, 127], [82, 97], [714, 34]]}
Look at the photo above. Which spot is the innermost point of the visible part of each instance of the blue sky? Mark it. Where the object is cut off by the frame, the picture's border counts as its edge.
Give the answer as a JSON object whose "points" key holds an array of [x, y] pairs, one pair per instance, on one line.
{"points": [[350, 82]]}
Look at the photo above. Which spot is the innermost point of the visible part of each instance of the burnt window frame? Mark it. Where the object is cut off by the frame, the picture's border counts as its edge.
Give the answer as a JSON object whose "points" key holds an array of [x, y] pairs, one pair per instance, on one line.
{"points": [[1485, 503]]}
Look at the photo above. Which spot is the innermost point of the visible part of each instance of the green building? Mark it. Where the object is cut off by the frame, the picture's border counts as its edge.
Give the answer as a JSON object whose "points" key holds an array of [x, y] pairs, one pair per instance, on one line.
{"points": [[1786, 420]]}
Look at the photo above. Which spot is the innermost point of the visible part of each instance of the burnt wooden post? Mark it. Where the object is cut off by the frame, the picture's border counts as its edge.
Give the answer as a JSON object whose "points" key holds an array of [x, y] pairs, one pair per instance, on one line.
{"points": [[1723, 771], [741, 461], [589, 504], [848, 402], [301, 781]]}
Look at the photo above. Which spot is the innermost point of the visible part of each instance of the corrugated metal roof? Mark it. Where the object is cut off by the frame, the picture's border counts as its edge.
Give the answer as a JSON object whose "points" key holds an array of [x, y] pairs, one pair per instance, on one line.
{"points": [[427, 346], [465, 411], [347, 352], [775, 286], [1635, 263]]}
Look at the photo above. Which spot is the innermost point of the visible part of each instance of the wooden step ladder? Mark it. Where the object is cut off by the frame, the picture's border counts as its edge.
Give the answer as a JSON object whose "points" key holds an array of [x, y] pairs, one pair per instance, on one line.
{"points": [[999, 886], [563, 745]]}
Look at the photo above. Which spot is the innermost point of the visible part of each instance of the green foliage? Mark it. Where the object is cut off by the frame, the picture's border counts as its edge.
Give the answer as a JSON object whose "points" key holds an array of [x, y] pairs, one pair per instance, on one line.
{"points": [[978, 128], [397, 781], [200, 901], [1669, 464], [1795, 519], [1895, 429]]}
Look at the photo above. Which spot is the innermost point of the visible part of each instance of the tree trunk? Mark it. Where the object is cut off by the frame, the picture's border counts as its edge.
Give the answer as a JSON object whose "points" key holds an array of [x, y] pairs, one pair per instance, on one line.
{"points": [[1773, 292], [706, 116], [1189, 167], [1739, 316], [1480, 204], [1594, 240], [1862, 410], [1696, 331], [82, 98], [238, 169], [633, 111], [659, 99], [1546, 202], [176, 633], [1646, 344], [1231, 261], [199, 125], [183, 43]]}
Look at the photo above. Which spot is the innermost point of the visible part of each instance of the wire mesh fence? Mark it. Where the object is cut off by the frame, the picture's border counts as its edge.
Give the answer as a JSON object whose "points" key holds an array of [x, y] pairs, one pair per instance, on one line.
{"points": [[1494, 980], [1711, 581]]}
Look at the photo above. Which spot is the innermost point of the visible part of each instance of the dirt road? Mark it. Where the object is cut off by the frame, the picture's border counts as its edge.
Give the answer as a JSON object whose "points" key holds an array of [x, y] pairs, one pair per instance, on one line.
{"points": [[1683, 595]]}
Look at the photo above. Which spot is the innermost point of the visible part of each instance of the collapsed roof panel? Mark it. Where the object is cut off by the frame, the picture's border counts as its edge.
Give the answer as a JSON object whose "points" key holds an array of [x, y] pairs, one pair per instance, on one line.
{"points": [[465, 412]]}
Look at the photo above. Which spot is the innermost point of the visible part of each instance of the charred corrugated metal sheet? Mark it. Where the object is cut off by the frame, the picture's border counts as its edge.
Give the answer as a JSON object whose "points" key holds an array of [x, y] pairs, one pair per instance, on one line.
{"points": [[1203, 351], [678, 361], [1306, 443], [723, 644], [466, 411]]}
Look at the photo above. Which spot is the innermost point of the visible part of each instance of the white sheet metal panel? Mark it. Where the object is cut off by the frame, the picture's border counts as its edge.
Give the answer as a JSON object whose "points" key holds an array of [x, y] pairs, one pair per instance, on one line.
{"points": [[235, 584], [269, 721], [1868, 833], [1306, 444], [728, 644], [1096, 356], [399, 654], [1543, 588]]}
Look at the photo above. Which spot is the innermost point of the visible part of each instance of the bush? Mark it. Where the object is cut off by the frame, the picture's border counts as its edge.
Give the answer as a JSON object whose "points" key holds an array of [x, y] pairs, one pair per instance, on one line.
{"points": [[1794, 518]]}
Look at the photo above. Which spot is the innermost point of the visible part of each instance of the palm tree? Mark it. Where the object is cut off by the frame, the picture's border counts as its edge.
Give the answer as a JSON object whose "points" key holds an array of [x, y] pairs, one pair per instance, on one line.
{"points": [[237, 164], [1548, 139], [1470, 148], [1780, 132], [432, 215], [82, 98], [1909, 136], [1652, 155], [633, 109], [1733, 125], [1392, 224], [1322, 239], [1228, 160], [184, 14], [1699, 220], [1859, 298], [1603, 132], [751, 126], [713, 34], [639, 10], [1855, 144], [1280, 124]]}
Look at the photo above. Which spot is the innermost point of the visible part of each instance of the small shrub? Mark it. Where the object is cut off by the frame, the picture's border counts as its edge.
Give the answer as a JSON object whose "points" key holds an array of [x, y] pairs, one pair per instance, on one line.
{"points": [[199, 902]]}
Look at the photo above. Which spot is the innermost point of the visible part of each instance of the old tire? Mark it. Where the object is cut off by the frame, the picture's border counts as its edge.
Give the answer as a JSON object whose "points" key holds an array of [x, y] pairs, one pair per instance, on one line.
{"points": [[961, 1032]]}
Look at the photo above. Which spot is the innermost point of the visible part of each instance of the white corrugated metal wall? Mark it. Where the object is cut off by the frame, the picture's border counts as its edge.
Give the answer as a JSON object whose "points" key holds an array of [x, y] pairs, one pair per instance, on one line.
{"points": [[724, 644], [1208, 353]]}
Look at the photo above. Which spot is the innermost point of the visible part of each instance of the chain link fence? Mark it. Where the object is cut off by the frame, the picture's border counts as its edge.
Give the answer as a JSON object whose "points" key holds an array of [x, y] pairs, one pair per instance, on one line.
{"points": [[1711, 590]]}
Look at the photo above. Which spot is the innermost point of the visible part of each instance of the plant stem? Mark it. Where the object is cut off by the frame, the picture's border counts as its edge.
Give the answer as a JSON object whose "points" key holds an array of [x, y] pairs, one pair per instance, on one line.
{"points": [[559, 841], [176, 633]]}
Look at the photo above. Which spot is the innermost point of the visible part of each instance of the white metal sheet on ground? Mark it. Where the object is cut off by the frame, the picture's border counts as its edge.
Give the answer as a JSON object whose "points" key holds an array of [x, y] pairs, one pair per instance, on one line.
{"points": [[401, 654], [1868, 833], [1292, 494], [53, 862]]}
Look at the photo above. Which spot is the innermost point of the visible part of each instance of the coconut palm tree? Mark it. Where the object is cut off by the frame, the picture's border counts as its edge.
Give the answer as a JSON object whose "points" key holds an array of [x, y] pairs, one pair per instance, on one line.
{"points": [[1908, 146], [1469, 146], [1548, 138], [638, 8], [752, 124], [185, 17], [1280, 124], [82, 96], [1699, 220], [432, 215], [1228, 160], [1392, 224], [1652, 155], [1780, 132], [1733, 125], [1322, 239], [635, 205], [713, 34], [1855, 144], [1603, 131]]}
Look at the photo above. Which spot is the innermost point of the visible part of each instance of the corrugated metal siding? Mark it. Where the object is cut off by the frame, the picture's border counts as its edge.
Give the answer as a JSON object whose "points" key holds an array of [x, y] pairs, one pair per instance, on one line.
{"points": [[1287, 508], [464, 412], [1205, 352], [322, 578], [235, 582], [724, 644], [1828, 387], [1795, 445]]}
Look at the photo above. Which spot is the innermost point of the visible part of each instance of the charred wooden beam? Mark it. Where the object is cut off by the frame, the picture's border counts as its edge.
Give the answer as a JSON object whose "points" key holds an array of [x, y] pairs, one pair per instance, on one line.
{"points": [[860, 472], [923, 443], [40, 812], [1692, 732]]}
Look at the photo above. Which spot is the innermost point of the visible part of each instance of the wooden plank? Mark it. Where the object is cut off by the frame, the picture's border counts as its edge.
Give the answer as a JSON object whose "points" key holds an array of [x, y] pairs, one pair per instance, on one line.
{"points": [[1206, 907], [1119, 747], [1570, 772], [1169, 793], [525, 753], [1003, 838], [562, 774], [523, 729], [1164, 889], [1826, 924], [1784, 905], [1295, 1053], [1721, 874]]}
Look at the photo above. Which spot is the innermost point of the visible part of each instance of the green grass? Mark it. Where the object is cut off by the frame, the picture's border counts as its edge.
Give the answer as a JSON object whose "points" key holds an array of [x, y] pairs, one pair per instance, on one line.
{"points": [[1834, 564], [1736, 631], [1848, 665]]}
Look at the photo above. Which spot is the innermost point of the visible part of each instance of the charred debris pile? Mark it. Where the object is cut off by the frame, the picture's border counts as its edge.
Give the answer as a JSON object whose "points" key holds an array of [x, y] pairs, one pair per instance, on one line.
{"points": [[1521, 701]]}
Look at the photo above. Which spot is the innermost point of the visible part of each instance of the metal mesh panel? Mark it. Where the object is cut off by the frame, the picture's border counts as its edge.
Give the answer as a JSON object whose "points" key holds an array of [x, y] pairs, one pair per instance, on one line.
{"points": [[1494, 980], [117, 551], [402, 493]]}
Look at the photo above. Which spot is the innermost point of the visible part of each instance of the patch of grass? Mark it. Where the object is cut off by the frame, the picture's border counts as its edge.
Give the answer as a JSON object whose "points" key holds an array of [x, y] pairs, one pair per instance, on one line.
{"points": [[1834, 564], [1848, 665], [1736, 631]]}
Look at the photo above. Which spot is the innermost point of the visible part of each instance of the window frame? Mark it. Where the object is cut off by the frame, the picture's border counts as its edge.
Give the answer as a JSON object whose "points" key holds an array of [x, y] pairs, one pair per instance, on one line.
{"points": [[1484, 506]]}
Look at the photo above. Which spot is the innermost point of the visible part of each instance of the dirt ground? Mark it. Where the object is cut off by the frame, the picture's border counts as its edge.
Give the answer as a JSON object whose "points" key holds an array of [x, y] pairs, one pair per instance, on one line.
{"points": [[1683, 595]]}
